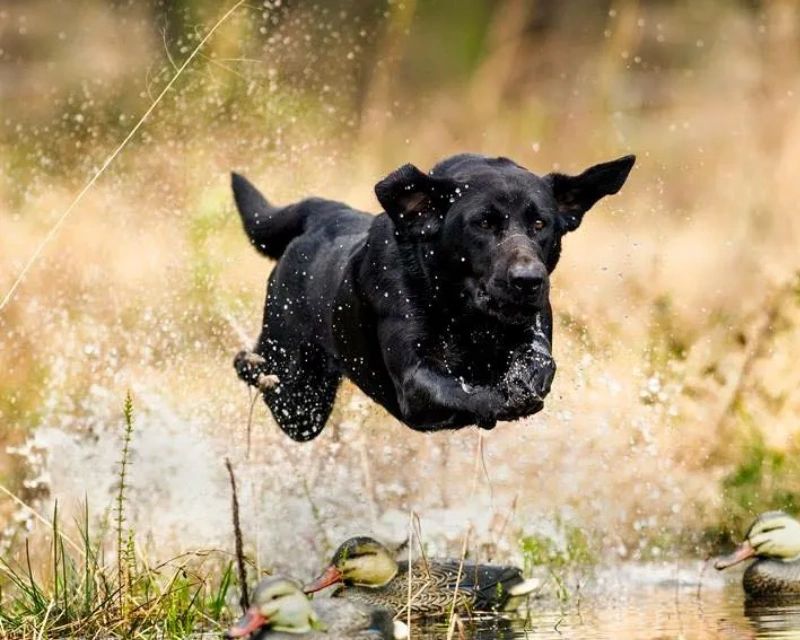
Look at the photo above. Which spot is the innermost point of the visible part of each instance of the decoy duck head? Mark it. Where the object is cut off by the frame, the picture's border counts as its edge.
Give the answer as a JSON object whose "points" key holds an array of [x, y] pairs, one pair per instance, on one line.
{"points": [[773, 534], [279, 604], [359, 561]]}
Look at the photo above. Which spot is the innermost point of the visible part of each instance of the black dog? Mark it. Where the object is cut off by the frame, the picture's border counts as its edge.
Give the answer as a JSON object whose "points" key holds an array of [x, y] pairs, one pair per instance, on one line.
{"points": [[437, 309]]}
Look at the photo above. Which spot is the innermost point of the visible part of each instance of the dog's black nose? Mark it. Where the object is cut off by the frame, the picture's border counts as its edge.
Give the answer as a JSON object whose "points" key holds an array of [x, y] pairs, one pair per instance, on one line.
{"points": [[526, 277]]}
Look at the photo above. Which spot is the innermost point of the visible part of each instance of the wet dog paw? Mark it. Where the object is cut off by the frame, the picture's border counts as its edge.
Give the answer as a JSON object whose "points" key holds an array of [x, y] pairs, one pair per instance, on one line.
{"points": [[251, 367], [527, 383], [267, 381]]}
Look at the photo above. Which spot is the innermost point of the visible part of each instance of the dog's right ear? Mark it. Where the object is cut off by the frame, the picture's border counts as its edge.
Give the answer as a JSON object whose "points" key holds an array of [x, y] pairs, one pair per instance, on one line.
{"points": [[415, 201]]}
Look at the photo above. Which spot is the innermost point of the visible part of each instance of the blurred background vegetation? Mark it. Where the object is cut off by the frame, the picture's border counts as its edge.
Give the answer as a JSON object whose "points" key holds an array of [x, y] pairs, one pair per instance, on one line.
{"points": [[678, 301]]}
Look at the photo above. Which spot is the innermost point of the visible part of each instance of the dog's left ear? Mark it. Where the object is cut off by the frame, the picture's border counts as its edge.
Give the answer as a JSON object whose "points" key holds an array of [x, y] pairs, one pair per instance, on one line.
{"points": [[575, 195], [415, 201]]}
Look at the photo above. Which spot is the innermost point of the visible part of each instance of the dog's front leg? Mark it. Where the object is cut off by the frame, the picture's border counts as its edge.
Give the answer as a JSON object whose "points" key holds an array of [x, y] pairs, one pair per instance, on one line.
{"points": [[429, 397], [529, 376]]}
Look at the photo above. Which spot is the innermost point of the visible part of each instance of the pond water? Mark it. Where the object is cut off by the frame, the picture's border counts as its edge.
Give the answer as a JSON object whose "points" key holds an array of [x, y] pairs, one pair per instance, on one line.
{"points": [[644, 603]]}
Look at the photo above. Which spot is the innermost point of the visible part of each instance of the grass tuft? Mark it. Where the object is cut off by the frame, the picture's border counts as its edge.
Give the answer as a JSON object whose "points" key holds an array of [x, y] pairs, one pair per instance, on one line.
{"points": [[78, 594], [763, 479], [123, 537], [570, 553]]}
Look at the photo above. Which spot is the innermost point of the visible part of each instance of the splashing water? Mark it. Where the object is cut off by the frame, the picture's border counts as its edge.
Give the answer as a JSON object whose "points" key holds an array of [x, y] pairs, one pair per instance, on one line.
{"points": [[657, 356]]}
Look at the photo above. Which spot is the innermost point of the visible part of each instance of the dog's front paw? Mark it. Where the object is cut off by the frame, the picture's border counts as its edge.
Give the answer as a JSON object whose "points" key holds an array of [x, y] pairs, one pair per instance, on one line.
{"points": [[531, 380], [486, 403], [521, 409], [527, 383]]}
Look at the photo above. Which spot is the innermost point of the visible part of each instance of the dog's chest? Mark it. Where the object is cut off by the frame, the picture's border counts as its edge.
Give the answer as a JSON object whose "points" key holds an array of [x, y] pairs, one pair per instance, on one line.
{"points": [[476, 355]]}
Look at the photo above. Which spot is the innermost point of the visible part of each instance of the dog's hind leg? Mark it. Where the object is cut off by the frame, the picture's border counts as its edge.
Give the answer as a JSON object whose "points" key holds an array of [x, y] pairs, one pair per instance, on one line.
{"points": [[301, 409], [302, 400]]}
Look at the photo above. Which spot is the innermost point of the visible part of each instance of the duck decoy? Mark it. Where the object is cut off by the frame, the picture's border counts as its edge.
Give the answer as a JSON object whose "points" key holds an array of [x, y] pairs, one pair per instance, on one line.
{"points": [[774, 541], [281, 611], [365, 571]]}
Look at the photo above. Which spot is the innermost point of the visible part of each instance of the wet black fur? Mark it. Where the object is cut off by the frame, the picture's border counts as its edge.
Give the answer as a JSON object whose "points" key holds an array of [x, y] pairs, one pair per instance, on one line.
{"points": [[438, 308]]}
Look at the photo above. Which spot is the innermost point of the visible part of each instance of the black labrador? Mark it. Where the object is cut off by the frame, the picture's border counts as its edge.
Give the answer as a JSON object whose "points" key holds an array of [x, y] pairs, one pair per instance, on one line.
{"points": [[438, 309]]}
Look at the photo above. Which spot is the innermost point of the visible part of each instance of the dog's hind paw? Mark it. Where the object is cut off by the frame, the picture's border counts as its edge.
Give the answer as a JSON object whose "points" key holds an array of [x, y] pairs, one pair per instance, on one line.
{"points": [[250, 367], [253, 359], [267, 381]]}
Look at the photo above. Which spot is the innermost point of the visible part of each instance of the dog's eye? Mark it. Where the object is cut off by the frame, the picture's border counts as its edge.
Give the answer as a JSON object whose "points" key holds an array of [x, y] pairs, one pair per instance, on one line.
{"points": [[538, 225], [489, 221]]}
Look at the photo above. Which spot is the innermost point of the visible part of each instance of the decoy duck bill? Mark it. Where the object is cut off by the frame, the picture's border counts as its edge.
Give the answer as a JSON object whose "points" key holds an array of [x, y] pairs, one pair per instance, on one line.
{"points": [[251, 621], [331, 576], [742, 553]]}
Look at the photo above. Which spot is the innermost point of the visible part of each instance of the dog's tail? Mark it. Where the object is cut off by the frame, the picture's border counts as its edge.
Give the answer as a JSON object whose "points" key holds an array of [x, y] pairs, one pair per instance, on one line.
{"points": [[270, 229]]}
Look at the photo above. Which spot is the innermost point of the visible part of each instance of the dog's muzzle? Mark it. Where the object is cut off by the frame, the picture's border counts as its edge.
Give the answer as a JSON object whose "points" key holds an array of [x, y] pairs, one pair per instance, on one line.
{"points": [[504, 305]]}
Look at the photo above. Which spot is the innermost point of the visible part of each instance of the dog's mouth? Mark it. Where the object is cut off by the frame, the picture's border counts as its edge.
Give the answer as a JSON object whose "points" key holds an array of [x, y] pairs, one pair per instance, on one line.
{"points": [[504, 309]]}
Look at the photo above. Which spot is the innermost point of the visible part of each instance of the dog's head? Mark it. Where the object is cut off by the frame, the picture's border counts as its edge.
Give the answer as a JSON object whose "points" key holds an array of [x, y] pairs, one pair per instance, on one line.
{"points": [[494, 226]]}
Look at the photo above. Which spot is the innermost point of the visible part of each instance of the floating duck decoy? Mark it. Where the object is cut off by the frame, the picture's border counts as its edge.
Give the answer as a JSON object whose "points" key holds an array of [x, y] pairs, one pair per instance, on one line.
{"points": [[367, 572], [774, 541], [281, 611]]}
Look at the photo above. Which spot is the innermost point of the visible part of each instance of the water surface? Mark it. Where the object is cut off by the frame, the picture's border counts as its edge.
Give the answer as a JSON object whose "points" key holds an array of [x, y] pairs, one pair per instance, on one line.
{"points": [[644, 602]]}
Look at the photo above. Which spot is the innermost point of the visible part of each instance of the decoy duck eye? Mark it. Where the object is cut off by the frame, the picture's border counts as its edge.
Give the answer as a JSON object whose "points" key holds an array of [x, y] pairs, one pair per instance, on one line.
{"points": [[774, 528]]}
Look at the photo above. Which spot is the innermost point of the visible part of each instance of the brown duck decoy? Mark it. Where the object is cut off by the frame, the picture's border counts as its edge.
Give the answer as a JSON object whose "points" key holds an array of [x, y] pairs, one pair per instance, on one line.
{"points": [[774, 541], [281, 611], [367, 572]]}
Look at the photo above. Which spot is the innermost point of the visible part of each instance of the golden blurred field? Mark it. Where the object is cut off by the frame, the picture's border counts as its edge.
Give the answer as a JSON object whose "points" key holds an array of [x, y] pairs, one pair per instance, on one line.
{"points": [[675, 410]]}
